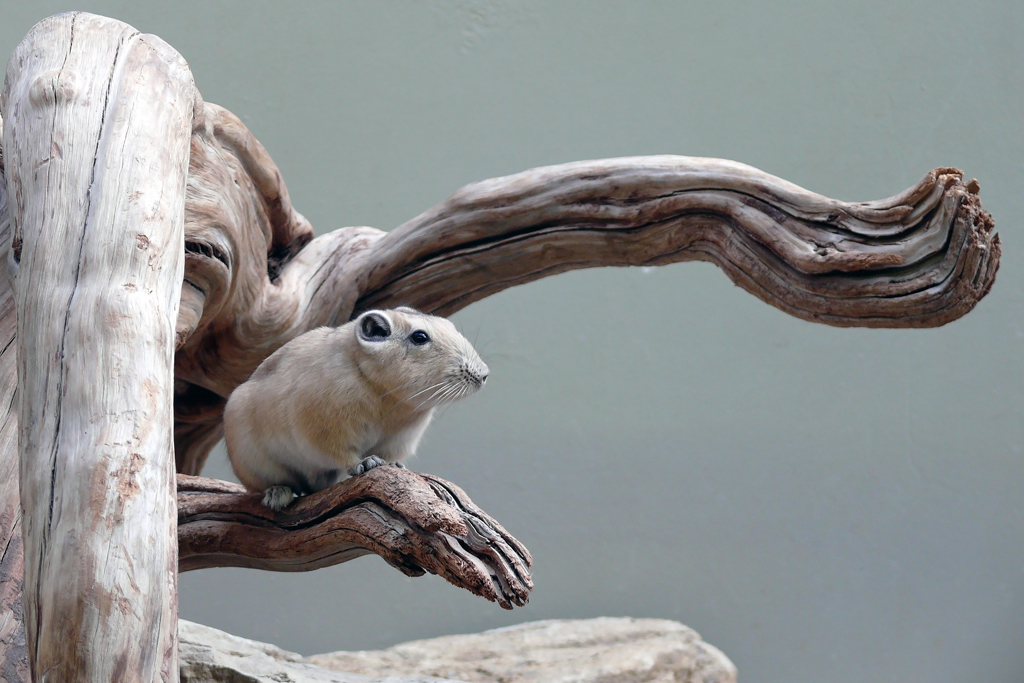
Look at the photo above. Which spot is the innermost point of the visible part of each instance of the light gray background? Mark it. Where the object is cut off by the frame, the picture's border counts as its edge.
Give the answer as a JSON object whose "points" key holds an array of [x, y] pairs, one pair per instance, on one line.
{"points": [[822, 504]]}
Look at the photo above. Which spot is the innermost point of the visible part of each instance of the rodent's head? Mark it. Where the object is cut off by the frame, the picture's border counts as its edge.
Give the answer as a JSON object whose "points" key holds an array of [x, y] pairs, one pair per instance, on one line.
{"points": [[420, 359]]}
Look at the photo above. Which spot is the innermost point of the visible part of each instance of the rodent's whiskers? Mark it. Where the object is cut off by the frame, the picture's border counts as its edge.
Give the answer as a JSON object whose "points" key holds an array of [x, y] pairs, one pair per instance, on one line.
{"points": [[444, 395], [453, 393], [433, 386], [444, 388], [463, 389], [423, 390]]}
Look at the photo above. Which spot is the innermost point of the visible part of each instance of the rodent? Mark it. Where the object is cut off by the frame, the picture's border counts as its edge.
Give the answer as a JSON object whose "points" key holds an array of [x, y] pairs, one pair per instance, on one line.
{"points": [[345, 399]]}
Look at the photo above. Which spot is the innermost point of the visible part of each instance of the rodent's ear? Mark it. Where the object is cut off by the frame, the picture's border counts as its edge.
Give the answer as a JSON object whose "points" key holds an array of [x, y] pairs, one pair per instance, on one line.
{"points": [[374, 326]]}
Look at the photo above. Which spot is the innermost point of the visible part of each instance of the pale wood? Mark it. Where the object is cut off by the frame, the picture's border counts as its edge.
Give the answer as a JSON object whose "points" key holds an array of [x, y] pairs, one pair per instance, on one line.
{"points": [[416, 522], [96, 139], [13, 650]]}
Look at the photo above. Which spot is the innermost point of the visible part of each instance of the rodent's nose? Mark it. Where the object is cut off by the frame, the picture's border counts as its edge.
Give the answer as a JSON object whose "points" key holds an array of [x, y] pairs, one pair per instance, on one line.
{"points": [[479, 372], [475, 370]]}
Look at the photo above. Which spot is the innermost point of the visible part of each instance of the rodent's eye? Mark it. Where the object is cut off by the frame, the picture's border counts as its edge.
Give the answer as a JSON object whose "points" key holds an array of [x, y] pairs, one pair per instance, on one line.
{"points": [[419, 337]]}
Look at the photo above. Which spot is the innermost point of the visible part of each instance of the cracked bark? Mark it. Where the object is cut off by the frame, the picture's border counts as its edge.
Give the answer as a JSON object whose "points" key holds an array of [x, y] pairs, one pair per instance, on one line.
{"points": [[254, 276]]}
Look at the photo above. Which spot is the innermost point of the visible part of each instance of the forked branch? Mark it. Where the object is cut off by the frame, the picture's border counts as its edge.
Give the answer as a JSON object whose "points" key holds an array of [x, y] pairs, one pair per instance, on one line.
{"points": [[416, 522]]}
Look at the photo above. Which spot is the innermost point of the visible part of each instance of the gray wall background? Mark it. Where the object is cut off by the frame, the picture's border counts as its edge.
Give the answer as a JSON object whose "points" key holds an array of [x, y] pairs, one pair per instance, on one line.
{"points": [[822, 504]]}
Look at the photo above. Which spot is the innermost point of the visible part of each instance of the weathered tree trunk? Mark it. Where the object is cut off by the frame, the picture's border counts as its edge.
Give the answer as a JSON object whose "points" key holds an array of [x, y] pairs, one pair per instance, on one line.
{"points": [[96, 139]]}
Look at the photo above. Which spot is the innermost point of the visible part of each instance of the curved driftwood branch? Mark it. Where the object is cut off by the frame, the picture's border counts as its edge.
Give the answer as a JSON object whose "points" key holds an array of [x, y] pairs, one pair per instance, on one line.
{"points": [[256, 279], [919, 259], [416, 522]]}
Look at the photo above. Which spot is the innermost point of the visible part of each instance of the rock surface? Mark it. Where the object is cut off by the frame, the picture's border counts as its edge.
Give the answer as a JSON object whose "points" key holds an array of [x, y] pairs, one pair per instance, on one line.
{"points": [[207, 655], [605, 650]]}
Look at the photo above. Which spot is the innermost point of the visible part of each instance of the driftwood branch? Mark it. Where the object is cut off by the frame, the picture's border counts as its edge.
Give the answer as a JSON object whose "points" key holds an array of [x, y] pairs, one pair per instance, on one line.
{"points": [[416, 522], [919, 259], [13, 648]]}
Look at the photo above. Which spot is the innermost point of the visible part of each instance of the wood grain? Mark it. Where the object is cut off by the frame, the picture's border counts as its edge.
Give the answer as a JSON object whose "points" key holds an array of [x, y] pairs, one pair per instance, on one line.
{"points": [[96, 137], [921, 258], [13, 648], [416, 522]]}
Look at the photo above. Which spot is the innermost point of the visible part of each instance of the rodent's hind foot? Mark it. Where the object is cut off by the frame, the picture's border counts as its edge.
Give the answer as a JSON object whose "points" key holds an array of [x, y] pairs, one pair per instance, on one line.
{"points": [[278, 497], [399, 465], [366, 464]]}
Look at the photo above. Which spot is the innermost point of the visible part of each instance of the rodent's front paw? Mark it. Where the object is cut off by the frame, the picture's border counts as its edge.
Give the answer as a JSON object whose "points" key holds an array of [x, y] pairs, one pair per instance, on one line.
{"points": [[366, 464], [278, 497]]}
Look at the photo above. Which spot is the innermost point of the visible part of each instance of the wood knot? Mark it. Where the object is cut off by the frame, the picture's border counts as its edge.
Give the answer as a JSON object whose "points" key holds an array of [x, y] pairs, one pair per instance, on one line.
{"points": [[53, 87]]}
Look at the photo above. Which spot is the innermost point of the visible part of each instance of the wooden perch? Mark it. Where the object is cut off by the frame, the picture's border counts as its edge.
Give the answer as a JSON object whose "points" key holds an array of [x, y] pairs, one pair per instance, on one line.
{"points": [[416, 522]]}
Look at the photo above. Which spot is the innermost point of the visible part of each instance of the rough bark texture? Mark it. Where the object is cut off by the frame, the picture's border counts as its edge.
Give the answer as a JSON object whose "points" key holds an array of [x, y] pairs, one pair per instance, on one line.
{"points": [[255, 277], [96, 137], [416, 522]]}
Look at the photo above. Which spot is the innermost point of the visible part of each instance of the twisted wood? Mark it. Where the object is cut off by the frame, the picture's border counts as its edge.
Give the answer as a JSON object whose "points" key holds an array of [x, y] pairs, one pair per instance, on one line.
{"points": [[416, 522], [256, 277]]}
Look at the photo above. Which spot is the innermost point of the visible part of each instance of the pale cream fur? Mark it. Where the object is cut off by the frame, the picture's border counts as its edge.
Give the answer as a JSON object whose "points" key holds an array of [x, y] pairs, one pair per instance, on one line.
{"points": [[333, 396]]}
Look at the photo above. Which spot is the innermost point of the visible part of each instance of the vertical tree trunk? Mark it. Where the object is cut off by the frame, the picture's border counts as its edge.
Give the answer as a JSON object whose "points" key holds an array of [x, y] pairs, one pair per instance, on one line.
{"points": [[97, 121]]}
